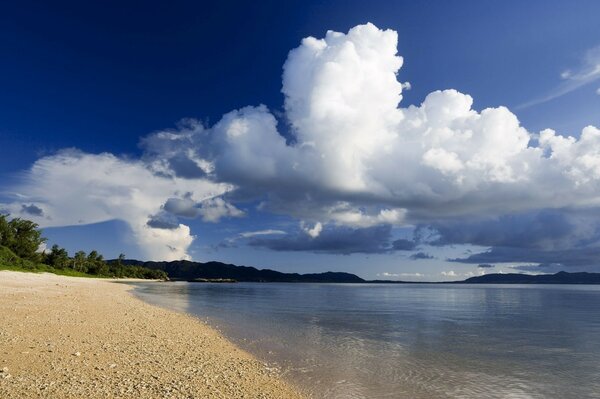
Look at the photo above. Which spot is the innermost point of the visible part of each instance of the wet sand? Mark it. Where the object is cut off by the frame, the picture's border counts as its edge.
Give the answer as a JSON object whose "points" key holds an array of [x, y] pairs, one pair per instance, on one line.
{"points": [[66, 337]]}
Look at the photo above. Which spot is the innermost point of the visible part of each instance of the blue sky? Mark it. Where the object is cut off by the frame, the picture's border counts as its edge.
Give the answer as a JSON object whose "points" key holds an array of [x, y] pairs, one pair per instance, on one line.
{"points": [[99, 78]]}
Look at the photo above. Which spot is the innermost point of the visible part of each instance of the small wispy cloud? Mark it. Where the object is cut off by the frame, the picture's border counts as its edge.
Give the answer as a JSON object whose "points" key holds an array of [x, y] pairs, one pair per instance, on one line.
{"points": [[572, 79], [388, 274], [312, 231], [268, 232], [452, 273]]}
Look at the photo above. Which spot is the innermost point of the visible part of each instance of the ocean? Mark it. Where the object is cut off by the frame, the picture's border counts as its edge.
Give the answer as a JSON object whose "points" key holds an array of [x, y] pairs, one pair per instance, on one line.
{"points": [[408, 341]]}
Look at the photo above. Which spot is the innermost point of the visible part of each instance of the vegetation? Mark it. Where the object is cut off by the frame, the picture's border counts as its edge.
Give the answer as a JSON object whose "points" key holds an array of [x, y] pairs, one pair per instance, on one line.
{"points": [[20, 240]]}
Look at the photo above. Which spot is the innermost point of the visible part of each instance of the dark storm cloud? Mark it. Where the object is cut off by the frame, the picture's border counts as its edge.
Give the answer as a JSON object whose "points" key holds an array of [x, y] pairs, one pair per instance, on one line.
{"points": [[404, 245], [485, 265], [185, 167], [333, 241], [32, 210], [563, 238], [421, 255], [579, 258], [184, 207], [162, 222], [529, 230]]}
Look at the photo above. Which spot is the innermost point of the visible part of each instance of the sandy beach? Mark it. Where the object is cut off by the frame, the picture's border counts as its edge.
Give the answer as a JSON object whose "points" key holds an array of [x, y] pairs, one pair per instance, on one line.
{"points": [[64, 337]]}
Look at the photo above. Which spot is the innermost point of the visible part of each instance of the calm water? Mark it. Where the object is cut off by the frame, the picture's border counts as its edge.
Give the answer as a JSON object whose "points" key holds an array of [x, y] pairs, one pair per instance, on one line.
{"points": [[409, 341]]}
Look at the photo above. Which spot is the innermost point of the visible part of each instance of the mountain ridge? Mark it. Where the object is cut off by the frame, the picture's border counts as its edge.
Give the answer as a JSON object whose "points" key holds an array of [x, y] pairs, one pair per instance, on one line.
{"points": [[518, 278], [185, 270]]}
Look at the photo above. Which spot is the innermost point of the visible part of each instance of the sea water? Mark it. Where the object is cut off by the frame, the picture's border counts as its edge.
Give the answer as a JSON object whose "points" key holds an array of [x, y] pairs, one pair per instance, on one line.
{"points": [[408, 340]]}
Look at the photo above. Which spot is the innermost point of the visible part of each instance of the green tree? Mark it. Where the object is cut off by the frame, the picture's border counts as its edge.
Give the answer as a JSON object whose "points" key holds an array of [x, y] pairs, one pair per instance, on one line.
{"points": [[22, 237], [80, 262], [58, 257], [6, 233], [93, 256], [20, 241]]}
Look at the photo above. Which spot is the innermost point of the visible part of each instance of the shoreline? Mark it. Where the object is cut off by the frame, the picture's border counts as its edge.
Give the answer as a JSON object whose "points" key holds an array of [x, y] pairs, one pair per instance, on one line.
{"points": [[68, 337]]}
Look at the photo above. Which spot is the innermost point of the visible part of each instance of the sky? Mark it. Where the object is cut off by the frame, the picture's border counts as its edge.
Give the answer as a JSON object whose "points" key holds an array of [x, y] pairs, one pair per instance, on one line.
{"points": [[420, 141]]}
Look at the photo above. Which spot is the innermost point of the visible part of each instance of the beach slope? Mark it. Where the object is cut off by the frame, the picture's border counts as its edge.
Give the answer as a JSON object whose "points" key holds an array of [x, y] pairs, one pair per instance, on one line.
{"points": [[66, 337]]}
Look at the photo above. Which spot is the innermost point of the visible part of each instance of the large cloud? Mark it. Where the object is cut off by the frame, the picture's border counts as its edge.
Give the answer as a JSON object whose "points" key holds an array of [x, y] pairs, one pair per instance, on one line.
{"points": [[354, 158], [72, 188], [342, 240], [543, 230], [560, 238], [581, 259], [358, 159]]}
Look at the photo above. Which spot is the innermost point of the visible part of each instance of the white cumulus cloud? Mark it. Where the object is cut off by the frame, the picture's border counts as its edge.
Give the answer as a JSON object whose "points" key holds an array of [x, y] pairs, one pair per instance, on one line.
{"points": [[359, 159], [75, 188]]}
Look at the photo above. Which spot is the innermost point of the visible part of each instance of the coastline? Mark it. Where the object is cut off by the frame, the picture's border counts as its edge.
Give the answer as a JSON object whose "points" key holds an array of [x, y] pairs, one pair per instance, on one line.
{"points": [[68, 337]]}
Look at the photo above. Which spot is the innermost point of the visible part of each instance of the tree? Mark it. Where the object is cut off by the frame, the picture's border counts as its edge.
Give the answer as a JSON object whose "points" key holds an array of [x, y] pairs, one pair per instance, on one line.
{"points": [[79, 262], [93, 256], [22, 237], [95, 263], [20, 241], [6, 233], [58, 257]]}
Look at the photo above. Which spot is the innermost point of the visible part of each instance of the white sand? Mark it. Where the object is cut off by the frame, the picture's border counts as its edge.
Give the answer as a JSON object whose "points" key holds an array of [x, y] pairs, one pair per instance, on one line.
{"points": [[66, 337]]}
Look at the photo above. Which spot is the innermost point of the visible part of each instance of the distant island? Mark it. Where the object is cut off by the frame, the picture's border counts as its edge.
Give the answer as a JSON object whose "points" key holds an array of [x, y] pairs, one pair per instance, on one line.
{"points": [[184, 270], [517, 278]]}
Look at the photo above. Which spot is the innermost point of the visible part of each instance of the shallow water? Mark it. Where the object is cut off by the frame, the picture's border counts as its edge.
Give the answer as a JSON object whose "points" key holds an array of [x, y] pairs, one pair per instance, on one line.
{"points": [[409, 341]]}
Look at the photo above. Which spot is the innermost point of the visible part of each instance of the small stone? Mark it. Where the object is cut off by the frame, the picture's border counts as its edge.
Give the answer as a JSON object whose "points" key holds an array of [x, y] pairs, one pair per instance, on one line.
{"points": [[112, 366], [77, 354], [4, 370]]}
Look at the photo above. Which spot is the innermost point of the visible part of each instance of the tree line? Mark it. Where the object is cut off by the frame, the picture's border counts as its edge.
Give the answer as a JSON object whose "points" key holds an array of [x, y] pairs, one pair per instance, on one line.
{"points": [[21, 239]]}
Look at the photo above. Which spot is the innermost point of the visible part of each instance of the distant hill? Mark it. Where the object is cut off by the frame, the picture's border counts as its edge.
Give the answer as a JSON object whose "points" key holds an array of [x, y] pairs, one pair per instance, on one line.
{"points": [[516, 278], [184, 270], [189, 271]]}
